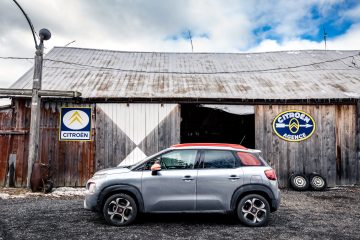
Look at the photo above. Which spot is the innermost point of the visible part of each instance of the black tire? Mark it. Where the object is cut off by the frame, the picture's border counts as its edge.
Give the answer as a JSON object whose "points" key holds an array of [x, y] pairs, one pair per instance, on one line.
{"points": [[120, 210], [299, 182], [317, 182], [253, 210]]}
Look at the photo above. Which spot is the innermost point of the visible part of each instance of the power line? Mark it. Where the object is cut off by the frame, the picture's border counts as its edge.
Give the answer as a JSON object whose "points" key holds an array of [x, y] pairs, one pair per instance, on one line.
{"points": [[200, 73], [87, 67], [17, 58]]}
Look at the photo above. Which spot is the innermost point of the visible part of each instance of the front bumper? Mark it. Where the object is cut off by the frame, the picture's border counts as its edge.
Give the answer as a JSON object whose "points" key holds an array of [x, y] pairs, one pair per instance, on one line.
{"points": [[90, 202]]}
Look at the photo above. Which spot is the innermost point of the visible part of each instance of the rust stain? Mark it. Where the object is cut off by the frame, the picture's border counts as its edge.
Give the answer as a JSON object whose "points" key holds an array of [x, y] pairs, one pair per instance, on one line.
{"points": [[340, 87]]}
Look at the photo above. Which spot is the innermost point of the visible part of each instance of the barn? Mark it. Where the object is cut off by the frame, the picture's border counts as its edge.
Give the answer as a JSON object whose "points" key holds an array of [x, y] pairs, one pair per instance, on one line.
{"points": [[143, 102]]}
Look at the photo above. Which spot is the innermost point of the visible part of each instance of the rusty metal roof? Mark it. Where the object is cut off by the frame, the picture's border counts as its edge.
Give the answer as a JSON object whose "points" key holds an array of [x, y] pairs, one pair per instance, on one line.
{"points": [[306, 74]]}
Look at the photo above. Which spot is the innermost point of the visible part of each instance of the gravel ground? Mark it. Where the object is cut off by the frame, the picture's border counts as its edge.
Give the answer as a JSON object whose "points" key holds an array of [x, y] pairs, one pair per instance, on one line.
{"points": [[333, 214]]}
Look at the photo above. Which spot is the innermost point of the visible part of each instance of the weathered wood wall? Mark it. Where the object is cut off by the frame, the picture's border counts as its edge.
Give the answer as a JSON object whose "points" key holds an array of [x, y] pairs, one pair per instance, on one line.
{"points": [[331, 151], [71, 162], [14, 129], [127, 133]]}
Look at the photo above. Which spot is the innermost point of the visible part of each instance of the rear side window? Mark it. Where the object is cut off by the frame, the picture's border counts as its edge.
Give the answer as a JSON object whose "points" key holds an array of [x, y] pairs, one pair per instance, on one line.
{"points": [[248, 159], [218, 159]]}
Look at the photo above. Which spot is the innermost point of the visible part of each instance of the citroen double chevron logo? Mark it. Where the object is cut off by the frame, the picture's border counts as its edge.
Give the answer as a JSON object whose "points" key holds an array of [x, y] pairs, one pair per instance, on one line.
{"points": [[75, 117], [294, 125]]}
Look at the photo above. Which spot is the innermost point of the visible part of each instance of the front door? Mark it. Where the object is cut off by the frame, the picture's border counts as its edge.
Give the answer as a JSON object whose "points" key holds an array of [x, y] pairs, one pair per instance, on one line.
{"points": [[174, 186]]}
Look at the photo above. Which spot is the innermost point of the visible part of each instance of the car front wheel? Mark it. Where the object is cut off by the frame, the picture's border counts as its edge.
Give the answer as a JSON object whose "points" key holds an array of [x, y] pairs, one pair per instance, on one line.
{"points": [[120, 210], [253, 210]]}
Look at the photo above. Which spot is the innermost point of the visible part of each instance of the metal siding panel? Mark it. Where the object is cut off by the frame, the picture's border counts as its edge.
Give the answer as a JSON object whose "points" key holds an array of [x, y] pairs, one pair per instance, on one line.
{"points": [[177, 74]]}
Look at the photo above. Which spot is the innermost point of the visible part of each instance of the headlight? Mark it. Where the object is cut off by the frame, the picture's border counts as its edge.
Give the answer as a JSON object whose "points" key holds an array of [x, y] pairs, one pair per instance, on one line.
{"points": [[92, 187]]}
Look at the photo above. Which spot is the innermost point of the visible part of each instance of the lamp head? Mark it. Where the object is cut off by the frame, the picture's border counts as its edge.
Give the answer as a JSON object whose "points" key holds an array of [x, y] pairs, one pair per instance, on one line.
{"points": [[44, 34]]}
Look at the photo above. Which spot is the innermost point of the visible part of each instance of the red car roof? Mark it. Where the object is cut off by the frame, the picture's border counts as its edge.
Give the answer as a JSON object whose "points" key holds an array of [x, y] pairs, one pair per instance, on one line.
{"points": [[237, 146]]}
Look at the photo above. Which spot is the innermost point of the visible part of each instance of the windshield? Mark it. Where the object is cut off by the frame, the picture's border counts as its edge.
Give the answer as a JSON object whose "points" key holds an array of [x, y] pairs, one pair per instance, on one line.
{"points": [[131, 167]]}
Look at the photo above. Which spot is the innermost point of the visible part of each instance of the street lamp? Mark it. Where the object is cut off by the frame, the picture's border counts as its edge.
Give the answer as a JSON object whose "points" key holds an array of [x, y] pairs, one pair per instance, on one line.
{"points": [[44, 35]]}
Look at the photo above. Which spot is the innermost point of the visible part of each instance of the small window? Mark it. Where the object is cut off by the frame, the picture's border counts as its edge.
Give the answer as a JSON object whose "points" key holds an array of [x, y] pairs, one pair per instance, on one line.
{"points": [[218, 159], [179, 159], [248, 159]]}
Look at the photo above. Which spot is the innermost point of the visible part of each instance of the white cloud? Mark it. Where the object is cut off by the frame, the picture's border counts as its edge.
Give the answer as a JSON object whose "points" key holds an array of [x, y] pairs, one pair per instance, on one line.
{"points": [[140, 25]]}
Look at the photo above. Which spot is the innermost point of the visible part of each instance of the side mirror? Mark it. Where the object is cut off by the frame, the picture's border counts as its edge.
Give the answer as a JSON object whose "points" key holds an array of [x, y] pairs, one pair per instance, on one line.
{"points": [[154, 172], [155, 168]]}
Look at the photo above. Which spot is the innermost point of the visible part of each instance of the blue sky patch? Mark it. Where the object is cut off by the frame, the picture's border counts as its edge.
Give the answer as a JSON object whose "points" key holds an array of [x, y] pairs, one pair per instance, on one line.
{"points": [[332, 21], [330, 18], [265, 32]]}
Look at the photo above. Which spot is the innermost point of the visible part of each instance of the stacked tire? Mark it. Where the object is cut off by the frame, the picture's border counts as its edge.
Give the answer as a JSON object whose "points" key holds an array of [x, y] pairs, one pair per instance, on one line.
{"points": [[302, 182]]}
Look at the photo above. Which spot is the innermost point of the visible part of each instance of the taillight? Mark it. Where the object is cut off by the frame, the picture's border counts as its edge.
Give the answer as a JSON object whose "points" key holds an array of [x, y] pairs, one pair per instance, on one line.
{"points": [[270, 174]]}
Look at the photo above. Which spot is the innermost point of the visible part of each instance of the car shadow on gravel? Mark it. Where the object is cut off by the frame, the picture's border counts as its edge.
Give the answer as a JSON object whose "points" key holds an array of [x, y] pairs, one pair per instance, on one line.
{"points": [[190, 219], [187, 218], [176, 218]]}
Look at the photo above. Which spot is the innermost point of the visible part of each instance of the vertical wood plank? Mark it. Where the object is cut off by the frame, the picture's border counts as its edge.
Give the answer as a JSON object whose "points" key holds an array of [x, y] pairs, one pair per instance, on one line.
{"points": [[331, 151]]}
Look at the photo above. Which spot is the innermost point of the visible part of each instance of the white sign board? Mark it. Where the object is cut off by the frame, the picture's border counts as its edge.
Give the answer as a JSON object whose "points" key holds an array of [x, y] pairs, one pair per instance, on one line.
{"points": [[75, 124]]}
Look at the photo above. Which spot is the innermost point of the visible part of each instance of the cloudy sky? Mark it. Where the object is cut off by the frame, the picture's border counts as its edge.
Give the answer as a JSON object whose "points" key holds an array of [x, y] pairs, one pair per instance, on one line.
{"points": [[163, 25]]}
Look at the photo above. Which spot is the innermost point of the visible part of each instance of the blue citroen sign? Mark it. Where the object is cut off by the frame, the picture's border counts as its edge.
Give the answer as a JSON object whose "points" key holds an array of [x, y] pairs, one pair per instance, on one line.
{"points": [[294, 125], [75, 124]]}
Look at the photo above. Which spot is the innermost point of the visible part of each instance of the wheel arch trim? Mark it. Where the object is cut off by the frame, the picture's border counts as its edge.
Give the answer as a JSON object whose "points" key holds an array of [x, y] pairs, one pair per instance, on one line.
{"points": [[121, 188], [253, 189]]}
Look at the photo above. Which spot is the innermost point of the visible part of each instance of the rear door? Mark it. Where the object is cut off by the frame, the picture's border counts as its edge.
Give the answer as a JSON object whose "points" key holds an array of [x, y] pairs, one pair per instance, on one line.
{"points": [[219, 176], [174, 187]]}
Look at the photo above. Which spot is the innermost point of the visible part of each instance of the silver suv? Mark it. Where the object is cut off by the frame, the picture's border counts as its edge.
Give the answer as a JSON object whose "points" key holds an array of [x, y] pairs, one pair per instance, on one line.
{"points": [[188, 178]]}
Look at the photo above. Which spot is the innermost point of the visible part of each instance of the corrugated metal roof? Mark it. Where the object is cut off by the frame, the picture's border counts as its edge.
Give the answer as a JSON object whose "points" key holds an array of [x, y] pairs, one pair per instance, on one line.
{"points": [[307, 74]]}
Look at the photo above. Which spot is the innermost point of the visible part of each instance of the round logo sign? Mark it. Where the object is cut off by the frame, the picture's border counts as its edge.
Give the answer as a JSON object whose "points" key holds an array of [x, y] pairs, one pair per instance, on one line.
{"points": [[76, 119], [294, 125]]}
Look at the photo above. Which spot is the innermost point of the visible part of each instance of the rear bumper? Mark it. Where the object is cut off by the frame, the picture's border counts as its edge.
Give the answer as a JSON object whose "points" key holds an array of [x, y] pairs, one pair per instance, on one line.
{"points": [[275, 203]]}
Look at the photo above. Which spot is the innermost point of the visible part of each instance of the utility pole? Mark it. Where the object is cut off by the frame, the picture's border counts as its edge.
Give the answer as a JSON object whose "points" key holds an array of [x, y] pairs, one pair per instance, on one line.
{"points": [[36, 105], [44, 34]]}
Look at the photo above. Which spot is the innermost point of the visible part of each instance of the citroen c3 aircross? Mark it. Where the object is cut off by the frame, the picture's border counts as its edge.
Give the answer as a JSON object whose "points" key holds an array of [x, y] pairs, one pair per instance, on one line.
{"points": [[196, 177]]}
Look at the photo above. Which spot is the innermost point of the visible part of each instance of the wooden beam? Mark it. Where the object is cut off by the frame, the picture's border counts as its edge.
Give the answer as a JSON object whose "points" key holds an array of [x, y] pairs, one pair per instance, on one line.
{"points": [[7, 92], [14, 132]]}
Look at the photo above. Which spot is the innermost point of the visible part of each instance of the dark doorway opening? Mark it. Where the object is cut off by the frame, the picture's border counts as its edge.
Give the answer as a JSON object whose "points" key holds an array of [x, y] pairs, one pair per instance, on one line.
{"points": [[204, 125]]}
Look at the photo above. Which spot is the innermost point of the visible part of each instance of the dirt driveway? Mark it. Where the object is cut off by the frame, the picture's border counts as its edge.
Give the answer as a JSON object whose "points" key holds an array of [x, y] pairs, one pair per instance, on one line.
{"points": [[334, 214]]}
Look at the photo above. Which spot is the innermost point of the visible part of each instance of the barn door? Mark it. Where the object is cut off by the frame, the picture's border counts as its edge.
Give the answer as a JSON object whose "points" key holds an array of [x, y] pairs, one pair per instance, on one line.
{"points": [[127, 133]]}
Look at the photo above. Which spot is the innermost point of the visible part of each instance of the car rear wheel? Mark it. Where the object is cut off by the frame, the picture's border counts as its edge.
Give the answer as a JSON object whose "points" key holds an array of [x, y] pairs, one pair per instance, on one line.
{"points": [[299, 182], [253, 210], [120, 210], [317, 182]]}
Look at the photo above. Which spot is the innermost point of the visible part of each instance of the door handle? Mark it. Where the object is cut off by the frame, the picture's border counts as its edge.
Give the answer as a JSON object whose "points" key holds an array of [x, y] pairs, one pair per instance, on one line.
{"points": [[233, 177], [187, 178]]}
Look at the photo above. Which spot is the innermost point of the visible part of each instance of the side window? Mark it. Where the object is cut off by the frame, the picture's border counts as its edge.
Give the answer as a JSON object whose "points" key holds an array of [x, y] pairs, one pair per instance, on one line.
{"points": [[248, 159], [178, 159], [219, 159]]}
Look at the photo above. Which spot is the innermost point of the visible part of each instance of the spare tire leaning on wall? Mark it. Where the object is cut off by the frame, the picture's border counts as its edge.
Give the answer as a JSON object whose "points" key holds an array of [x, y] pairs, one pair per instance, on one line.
{"points": [[299, 182], [317, 182]]}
